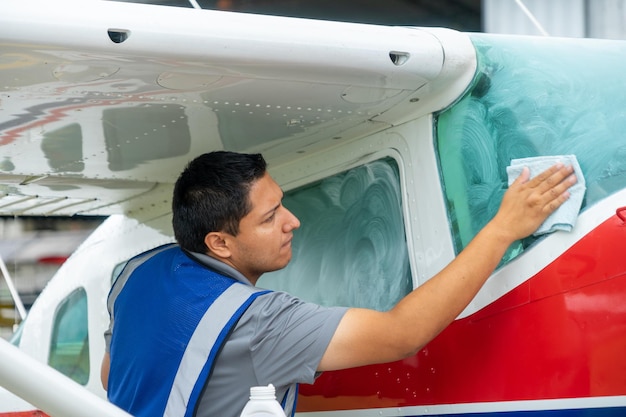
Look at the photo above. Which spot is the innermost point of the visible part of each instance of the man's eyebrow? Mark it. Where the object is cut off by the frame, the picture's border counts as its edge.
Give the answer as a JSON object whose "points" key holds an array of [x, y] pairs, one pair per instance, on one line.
{"points": [[277, 206], [272, 210]]}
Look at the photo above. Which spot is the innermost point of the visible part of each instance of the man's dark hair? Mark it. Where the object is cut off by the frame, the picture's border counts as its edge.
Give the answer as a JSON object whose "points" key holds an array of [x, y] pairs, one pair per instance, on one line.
{"points": [[211, 195]]}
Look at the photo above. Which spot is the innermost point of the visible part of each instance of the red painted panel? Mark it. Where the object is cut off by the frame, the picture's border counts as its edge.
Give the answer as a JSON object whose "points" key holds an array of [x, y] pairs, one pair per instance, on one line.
{"points": [[33, 413], [561, 334]]}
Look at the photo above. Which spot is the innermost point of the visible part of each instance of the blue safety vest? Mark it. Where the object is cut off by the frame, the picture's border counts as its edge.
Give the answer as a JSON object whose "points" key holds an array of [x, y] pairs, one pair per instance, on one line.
{"points": [[171, 316]]}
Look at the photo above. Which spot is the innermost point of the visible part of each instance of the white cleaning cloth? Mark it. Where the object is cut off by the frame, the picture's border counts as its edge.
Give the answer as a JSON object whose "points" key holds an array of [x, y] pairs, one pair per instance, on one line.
{"points": [[564, 218]]}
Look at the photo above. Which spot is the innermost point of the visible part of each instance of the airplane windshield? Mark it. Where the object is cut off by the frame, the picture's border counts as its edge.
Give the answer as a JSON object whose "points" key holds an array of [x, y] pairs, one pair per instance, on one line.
{"points": [[532, 97]]}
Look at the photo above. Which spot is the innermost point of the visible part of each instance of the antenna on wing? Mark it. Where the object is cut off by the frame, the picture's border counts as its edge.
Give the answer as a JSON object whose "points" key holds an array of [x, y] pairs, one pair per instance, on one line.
{"points": [[532, 18]]}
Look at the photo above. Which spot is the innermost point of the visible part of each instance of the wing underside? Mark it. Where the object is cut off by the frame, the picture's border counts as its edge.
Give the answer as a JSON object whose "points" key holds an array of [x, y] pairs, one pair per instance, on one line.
{"points": [[103, 103]]}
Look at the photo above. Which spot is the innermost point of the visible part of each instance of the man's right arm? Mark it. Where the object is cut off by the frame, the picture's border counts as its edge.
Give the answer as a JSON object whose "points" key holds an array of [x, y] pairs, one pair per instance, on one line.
{"points": [[104, 370], [366, 336]]}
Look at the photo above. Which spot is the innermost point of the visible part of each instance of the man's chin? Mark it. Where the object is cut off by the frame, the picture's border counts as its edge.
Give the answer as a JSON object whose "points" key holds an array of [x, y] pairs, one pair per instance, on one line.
{"points": [[281, 266]]}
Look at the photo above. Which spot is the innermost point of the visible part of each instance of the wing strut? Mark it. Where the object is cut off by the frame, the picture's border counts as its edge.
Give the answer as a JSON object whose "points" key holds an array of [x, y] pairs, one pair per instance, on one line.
{"points": [[195, 4], [48, 389], [532, 17], [14, 294]]}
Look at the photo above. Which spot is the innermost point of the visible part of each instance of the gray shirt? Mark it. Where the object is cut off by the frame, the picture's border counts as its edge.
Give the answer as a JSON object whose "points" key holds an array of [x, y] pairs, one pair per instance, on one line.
{"points": [[280, 339]]}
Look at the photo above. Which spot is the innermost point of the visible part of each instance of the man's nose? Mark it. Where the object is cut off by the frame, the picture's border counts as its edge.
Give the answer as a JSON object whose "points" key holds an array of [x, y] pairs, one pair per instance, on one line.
{"points": [[292, 221]]}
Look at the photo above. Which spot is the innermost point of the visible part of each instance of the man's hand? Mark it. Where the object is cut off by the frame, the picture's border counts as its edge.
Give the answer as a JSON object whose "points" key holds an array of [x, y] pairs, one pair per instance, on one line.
{"points": [[527, 203]]}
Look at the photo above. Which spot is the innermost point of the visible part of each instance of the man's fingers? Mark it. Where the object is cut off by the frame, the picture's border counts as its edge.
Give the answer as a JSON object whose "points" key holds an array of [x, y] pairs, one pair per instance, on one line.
{"points": [[555, 203], [554, 180], [557, 177], [557, 193], [546, 175], [553, 175], [548, 190], [524, 176], [528, 202]]}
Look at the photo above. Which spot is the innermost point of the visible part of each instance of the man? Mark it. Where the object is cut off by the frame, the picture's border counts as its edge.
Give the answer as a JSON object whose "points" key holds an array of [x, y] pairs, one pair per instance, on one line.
{"points": [[190, 333]]}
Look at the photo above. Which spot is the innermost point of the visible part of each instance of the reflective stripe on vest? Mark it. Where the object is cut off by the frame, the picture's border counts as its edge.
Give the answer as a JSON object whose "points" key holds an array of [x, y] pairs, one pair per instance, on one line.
{"points": [[203, 348]]}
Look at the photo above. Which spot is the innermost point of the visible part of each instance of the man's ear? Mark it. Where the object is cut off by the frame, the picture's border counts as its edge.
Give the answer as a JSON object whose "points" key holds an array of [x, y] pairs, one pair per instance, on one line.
{"points": [[217, 245]]}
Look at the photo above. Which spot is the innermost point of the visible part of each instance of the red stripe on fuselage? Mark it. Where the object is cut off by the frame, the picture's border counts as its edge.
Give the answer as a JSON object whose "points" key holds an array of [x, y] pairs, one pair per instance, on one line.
{"points": [[561, 334]]}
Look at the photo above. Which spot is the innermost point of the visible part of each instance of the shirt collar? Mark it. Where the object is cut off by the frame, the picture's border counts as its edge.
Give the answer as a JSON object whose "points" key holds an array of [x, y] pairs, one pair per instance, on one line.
{"points": [[219, 266]]}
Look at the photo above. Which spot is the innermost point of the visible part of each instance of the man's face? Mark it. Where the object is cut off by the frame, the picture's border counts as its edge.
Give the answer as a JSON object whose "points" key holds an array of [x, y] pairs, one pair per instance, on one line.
{"points": [[263, 243]]}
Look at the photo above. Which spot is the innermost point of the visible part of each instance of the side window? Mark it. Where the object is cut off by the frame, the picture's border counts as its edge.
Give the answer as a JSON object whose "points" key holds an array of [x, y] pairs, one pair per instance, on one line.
{"points": [[351, 247], [531, 98], [69, 347]]}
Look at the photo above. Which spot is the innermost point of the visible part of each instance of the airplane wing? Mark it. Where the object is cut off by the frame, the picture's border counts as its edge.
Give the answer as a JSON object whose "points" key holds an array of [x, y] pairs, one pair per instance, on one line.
{"points": [[103, 103]]}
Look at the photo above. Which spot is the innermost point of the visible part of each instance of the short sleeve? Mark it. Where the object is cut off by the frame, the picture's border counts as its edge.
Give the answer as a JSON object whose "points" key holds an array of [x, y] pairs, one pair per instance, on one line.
{"points": [[289, 337]]}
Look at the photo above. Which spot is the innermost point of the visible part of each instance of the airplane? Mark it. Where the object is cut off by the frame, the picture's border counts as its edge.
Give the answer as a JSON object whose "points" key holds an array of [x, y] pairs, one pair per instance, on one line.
{"points": [[391, 144]]}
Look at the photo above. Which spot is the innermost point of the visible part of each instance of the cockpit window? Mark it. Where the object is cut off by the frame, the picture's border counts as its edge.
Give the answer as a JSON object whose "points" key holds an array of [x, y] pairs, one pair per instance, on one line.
{"points": [[351, 247], [532, 97], [69, 347]]}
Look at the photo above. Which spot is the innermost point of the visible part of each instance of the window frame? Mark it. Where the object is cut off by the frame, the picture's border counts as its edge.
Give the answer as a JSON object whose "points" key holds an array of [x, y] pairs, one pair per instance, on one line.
{"points": [[60, 312]]}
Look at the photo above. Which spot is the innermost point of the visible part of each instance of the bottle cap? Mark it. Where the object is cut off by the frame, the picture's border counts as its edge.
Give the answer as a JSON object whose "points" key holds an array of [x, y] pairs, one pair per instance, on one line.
{"points": [[263, 392]]}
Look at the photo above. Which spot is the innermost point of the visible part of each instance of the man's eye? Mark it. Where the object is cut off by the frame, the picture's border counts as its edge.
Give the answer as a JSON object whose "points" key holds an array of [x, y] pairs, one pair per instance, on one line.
{"points": [[270, 218]]}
